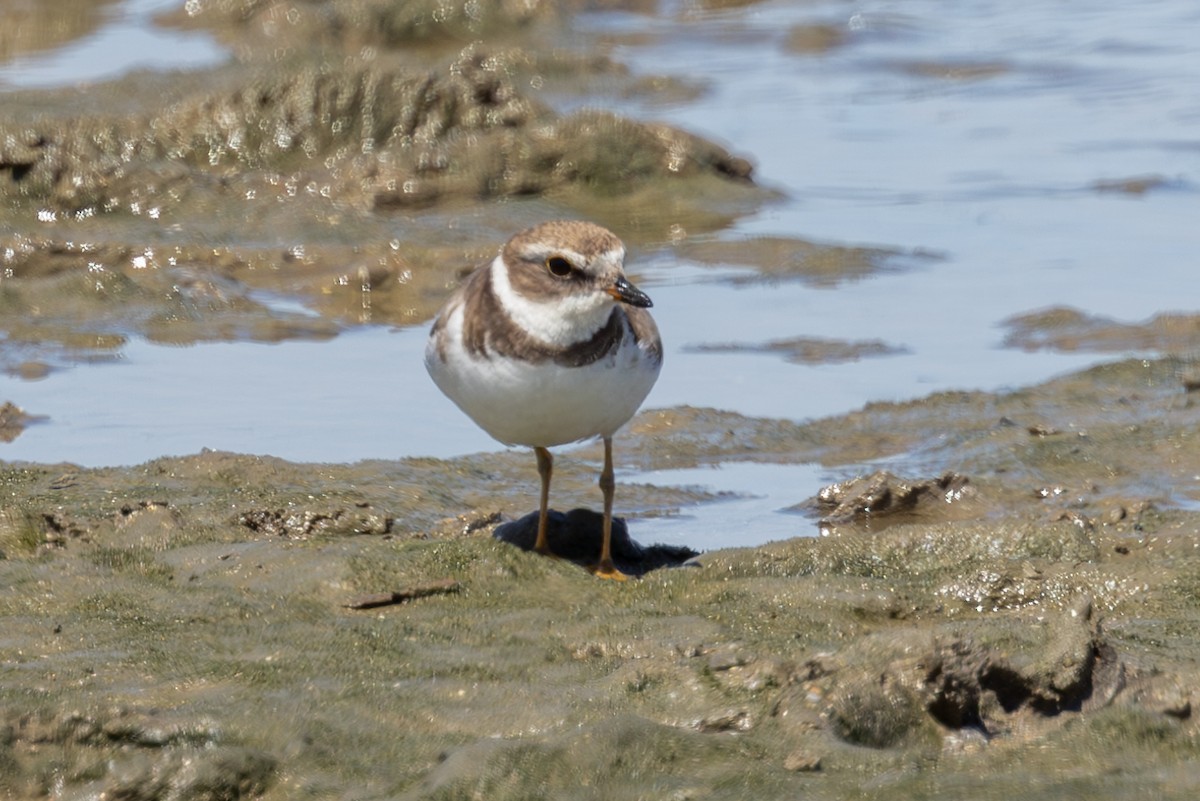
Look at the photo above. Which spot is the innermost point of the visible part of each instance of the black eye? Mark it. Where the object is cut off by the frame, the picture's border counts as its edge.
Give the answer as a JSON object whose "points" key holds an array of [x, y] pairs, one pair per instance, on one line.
{"points": [[558, 266]]}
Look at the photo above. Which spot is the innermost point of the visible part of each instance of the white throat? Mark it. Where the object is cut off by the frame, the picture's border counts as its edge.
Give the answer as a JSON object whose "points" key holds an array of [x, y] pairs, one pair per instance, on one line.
{"points": [[561, 321]]}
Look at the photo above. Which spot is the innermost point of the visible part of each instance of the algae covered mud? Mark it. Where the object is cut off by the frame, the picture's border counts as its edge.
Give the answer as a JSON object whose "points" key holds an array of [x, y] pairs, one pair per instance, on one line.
{"points": [[1005, 598], [225, 626]]}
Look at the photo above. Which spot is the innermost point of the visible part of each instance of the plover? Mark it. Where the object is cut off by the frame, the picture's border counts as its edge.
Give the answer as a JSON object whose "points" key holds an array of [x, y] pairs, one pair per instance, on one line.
{"points": [[550, 344]]}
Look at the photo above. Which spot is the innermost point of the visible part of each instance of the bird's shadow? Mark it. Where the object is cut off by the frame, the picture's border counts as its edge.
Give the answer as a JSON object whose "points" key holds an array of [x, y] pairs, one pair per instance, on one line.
{"points": [[576, 536]]}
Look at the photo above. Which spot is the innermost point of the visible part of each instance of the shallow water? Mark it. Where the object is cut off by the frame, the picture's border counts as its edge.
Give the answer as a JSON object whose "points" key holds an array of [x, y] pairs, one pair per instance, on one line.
{"points": [[756, 511], [124, 39], [981, 132]]}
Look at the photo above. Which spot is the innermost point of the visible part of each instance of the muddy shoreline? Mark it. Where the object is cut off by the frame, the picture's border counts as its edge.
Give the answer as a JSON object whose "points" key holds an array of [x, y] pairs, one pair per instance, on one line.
{"points": [[190, 622], [1013, 610]]}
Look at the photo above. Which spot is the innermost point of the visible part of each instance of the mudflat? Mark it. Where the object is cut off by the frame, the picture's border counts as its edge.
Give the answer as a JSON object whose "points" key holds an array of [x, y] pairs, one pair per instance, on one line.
{"points": [[1017, 614], [232, 626]]}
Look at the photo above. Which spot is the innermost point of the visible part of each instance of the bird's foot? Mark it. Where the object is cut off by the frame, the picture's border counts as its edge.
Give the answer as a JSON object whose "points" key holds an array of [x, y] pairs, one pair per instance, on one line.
{"points": [[606, 570]]}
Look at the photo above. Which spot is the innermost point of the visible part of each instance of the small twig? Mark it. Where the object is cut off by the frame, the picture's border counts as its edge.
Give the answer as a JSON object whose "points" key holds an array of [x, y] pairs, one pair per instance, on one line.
{"points": [[400, 596]]}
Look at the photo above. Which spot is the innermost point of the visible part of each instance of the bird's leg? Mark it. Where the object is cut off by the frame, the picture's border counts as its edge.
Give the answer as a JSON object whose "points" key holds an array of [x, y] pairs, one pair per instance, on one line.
{"points": [[608, 485], [545, 463]]}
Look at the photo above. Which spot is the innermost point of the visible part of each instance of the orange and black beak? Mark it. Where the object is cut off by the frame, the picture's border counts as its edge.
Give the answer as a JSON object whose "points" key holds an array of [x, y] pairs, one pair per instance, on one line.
{"points": [[626, 292]]}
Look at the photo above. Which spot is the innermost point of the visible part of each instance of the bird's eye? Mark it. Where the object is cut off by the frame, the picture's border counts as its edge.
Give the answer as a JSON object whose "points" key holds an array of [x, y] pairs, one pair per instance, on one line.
{"points": [[558, 266]]}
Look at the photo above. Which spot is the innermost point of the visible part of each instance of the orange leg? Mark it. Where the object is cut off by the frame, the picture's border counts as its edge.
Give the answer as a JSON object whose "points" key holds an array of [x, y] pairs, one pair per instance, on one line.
{"points": [[545, 463], [608, 485]]}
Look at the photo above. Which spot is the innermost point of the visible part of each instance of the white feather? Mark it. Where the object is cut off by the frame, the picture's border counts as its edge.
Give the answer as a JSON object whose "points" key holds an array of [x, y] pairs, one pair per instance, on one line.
{"points": [[542, 404], [560, 322]]}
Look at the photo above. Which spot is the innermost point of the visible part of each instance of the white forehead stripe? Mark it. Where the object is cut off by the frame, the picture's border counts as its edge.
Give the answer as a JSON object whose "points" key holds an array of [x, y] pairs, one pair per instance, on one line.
{"points": [[560, 321]]}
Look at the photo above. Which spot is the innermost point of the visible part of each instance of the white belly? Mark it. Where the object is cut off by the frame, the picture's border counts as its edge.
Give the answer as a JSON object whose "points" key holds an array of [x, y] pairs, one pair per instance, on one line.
{"points": [[543, 404]]}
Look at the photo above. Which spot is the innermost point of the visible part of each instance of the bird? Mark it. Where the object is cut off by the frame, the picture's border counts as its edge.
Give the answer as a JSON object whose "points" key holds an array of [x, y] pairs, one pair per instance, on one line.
{"points": [[549, 344]]}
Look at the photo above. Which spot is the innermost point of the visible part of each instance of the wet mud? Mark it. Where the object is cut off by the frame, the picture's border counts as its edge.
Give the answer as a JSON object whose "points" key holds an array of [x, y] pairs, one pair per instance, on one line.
{"points": [[14, 420], [176, 207], [881, 499], [1000, 596], [812, 263], [809, 350], [199, 621], [1066, 329], [32, 28]]}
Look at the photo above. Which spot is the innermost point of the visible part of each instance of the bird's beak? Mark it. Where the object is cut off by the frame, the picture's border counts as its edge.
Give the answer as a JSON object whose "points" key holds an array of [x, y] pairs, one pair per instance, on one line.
{"points": [[626, 292]]}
